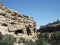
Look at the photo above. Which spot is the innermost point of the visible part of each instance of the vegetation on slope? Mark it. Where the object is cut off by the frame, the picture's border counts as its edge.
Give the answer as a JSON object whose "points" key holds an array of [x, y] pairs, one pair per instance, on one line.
{"points": [[46, 38]]}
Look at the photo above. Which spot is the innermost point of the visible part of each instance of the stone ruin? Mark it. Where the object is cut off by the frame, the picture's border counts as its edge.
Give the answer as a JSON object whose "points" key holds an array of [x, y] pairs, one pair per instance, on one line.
{"points": [[13, 22]]}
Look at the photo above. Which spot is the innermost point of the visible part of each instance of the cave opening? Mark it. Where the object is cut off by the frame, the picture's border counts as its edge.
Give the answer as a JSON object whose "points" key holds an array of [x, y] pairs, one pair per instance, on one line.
{"points": [[4, 24], [19, 31]]}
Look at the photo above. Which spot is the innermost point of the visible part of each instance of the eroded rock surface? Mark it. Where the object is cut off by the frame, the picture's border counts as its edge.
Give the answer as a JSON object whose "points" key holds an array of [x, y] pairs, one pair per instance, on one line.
{"points": [[13, 22], [51, 27]]}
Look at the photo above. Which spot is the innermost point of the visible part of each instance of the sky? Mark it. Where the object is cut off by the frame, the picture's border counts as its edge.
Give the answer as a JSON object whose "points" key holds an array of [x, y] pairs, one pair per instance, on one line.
{"points": [[42, 11]]}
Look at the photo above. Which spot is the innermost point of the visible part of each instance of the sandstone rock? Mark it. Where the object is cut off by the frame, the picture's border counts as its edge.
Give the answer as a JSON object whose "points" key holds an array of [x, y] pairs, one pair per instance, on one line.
{"points": [[1, 12], [13, 22]]}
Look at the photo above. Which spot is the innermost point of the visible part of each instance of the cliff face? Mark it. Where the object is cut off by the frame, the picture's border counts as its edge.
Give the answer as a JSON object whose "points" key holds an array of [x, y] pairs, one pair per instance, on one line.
{"points": [[13, 22], [51, 27]]}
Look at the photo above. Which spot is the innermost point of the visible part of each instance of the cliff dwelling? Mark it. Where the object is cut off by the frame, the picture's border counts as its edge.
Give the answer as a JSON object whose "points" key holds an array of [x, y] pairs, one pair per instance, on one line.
{"points": [[19, 31], [14, 22]]}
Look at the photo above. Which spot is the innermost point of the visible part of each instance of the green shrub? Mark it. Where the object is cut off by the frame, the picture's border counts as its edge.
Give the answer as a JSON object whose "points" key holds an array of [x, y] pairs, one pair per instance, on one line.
{"points": [[21, 40], [26, 42], [1, 36], [29, 43], [8, 40], [55, 38], [41, 41]]}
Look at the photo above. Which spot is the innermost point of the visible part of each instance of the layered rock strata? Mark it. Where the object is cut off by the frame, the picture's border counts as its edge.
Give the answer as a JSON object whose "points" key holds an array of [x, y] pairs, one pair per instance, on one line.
{"points": [[51, 27]]}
